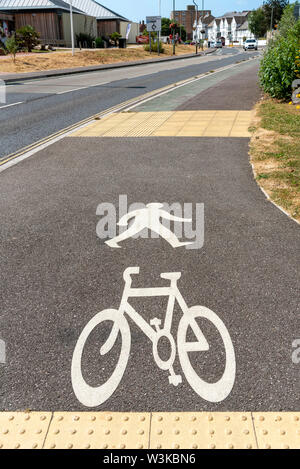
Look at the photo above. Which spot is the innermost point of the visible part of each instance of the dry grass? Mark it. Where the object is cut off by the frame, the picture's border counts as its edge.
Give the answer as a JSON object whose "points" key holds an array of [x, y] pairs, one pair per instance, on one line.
{"points": [[275, 153], [63, 59]]}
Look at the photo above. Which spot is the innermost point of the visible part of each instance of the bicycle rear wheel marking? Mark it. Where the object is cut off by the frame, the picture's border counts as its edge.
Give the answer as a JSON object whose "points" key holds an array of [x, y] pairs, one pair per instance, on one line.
{"points": [[91, 396]]}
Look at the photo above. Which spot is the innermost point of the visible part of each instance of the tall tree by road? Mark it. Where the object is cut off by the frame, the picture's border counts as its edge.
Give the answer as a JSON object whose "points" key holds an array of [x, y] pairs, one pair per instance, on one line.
{"points": [[273, 10], [257, 23]]}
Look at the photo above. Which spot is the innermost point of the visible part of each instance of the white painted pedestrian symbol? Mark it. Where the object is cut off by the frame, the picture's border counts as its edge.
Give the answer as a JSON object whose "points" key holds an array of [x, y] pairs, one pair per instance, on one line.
{"points": [[149, 218], [92, 396]]}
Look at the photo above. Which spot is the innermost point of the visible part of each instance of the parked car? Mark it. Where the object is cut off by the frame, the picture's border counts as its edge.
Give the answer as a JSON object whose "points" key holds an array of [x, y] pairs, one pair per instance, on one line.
{"points": [[250, 44], [218, 44], [142, 39]]}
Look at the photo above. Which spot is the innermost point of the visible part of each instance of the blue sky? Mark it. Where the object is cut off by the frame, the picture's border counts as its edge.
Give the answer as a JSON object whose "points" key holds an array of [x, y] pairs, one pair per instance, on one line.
{"points": [[137, 10]]}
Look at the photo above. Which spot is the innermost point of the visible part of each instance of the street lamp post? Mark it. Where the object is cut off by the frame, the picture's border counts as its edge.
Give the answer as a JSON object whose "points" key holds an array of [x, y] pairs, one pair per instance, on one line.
{"points": [[196, 26], [72, 29]]}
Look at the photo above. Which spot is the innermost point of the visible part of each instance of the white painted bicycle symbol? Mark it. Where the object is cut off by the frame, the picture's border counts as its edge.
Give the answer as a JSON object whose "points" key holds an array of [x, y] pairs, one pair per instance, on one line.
{"points": [[213, 392]]}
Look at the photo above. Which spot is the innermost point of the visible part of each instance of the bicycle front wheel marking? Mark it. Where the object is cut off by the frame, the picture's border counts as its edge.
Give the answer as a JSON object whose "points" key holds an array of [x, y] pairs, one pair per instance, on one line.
{"points": [[212, 392], [91, 396]]}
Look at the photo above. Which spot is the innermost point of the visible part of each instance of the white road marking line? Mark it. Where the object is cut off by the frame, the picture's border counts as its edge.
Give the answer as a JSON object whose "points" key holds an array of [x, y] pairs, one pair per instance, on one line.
{"points": [[84, 87], [68, 91], [59, 92], [2, 352], [13, 104]]}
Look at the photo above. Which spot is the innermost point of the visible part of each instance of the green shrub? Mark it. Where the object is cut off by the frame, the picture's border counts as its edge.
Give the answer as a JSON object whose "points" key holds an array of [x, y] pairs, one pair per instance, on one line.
{"points": [[154, 47], [279, 67], [27, 37], [85, 40], [99, 43]]}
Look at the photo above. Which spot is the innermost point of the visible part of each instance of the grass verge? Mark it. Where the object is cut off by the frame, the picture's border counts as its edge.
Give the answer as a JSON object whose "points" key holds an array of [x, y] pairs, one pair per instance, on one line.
{"points": [[275, 153], [35, 62]]}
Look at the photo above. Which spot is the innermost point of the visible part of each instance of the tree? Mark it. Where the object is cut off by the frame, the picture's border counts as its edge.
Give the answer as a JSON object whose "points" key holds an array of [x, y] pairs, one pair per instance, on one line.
{"points": [[27, 37], [12, 47], [165, 26], [182, 32], [273, 10], [257, 23], [287, 21], [166, 29]]}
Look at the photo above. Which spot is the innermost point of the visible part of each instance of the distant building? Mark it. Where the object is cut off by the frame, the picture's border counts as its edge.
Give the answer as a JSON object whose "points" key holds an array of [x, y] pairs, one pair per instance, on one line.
{"points": [[202, 27], [188, 17], [108, 21], [51, 18], [231, 27]]}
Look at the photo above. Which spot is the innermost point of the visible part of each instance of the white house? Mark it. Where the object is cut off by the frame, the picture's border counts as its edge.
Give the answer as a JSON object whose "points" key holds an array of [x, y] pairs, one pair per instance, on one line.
{"points": [[201, 29], [232, 27], [243, 32]]}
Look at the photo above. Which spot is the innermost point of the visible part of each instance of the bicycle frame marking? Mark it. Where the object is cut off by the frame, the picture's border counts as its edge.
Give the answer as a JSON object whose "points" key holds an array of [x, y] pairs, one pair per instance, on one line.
{"points": [[174, 294], [213, 392]]}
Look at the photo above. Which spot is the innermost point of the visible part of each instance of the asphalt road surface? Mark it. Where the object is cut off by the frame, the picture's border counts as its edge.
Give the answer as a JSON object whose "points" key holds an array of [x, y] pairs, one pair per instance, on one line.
{"points": [[39, 108], [57, 274]]}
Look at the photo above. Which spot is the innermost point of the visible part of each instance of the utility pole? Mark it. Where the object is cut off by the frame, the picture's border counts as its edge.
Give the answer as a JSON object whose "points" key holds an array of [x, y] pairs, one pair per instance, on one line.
{"points": [[72, 29], [271, 26], [174, 27], [196, 26], [158, 32], [202, 43]]}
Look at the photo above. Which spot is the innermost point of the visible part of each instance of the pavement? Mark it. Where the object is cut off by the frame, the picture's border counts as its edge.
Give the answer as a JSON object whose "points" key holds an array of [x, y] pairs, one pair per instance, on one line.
{"points": [[57, 274], [38, 108]]}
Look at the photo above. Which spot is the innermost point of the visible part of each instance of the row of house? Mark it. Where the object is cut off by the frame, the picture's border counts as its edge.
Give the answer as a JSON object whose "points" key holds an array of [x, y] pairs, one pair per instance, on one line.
{"points": [[51, 18], [231, 27]]}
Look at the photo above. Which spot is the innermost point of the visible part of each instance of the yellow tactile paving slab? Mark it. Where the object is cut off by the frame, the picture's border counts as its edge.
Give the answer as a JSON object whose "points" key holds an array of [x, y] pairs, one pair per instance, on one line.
{"points": [[23, 430], [279, 430], [170, 124], [98, 430], [202, 431], [154, 430]]}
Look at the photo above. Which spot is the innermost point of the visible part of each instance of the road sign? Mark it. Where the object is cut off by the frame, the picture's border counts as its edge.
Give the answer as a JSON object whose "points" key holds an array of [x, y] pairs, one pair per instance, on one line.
{"points": [[153, 23]]}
